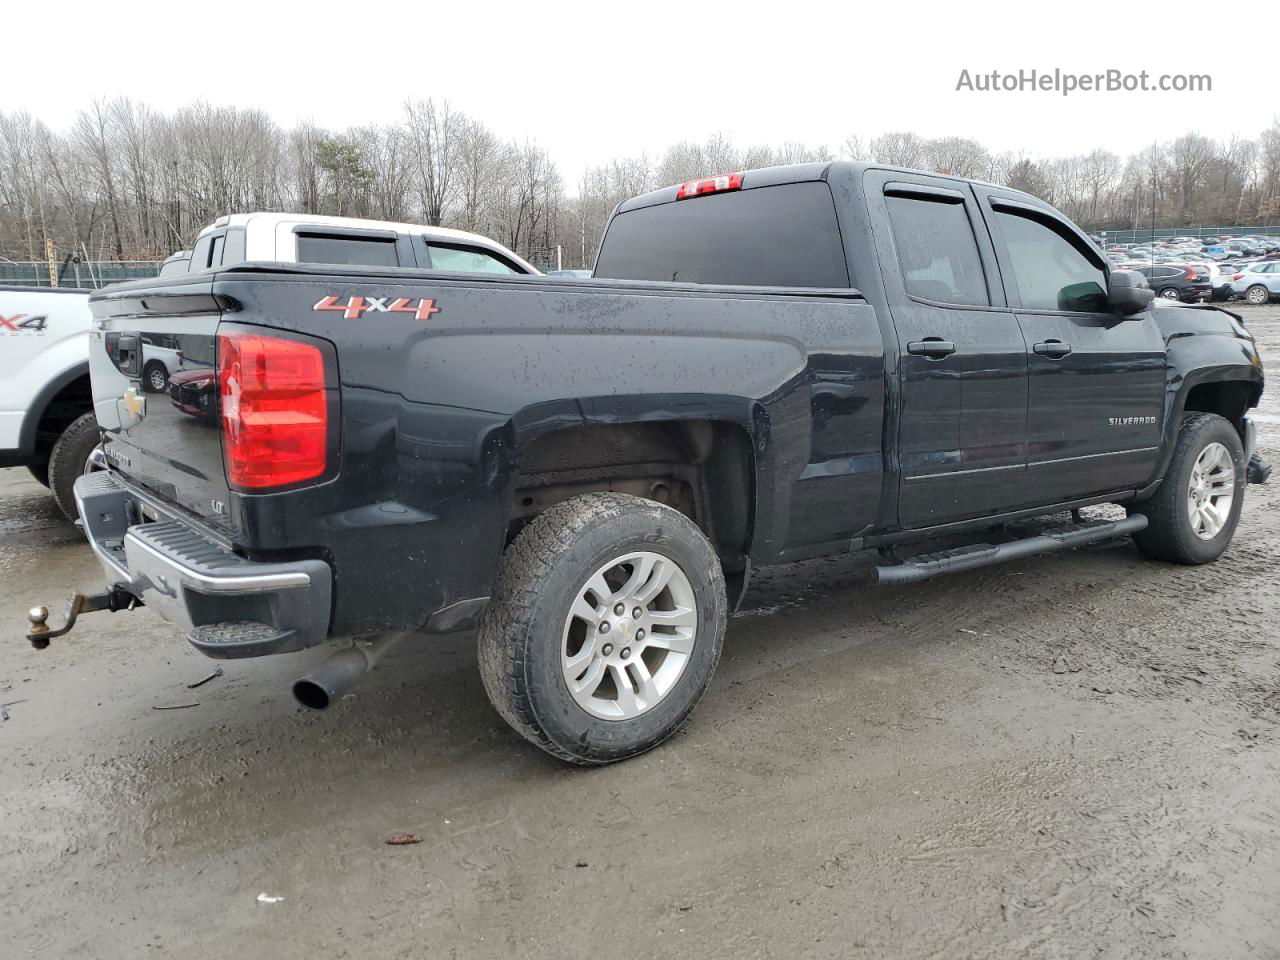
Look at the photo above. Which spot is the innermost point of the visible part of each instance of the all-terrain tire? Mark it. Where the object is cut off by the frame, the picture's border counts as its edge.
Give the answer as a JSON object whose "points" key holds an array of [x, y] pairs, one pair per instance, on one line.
{"points": [[1169, 534], [522, 633], [68, 459]]}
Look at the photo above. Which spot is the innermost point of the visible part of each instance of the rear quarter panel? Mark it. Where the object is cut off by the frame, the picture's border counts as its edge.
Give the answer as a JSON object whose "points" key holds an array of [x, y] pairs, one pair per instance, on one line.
{"points": [[32, 359], [436, 411]]}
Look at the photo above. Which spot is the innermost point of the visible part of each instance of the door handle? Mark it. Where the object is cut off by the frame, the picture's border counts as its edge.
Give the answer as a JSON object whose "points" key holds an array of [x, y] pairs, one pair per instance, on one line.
{"points": [[931, 347], [1054, 349]]}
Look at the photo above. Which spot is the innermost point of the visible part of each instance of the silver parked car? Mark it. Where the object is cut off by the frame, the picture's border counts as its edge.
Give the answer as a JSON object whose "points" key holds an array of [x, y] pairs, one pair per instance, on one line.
{"points": [[1257, 282]]}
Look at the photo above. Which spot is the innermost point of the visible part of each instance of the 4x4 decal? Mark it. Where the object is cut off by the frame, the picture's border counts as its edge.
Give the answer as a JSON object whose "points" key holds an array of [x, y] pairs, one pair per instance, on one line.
{"points": [[353, 308], [21, 323]]}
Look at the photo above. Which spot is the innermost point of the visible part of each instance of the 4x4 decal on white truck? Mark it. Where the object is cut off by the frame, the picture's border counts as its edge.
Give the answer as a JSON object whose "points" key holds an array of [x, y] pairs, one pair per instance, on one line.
{"points": [[353, 308], [17, 323]]}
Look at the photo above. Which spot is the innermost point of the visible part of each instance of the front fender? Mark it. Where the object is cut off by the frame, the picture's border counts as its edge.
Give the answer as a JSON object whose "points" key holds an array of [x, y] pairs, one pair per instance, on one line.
{"points": [[1204, 347]]}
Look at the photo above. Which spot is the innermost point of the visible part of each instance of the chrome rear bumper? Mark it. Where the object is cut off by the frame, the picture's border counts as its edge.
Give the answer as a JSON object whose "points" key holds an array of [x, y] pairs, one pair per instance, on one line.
{"points": [[231, 607]]}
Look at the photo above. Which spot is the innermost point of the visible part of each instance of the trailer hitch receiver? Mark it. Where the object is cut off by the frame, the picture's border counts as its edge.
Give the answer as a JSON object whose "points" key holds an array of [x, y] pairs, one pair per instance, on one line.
{"points": [[40, 633]]}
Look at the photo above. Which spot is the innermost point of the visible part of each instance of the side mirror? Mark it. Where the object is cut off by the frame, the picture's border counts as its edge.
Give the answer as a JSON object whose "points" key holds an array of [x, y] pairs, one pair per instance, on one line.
{"points": [[1128, 292]]}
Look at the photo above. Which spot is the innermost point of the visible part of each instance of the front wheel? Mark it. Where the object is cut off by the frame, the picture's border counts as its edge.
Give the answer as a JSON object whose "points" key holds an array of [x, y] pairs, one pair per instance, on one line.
{"points": [[604, 627], [1193, 515]]}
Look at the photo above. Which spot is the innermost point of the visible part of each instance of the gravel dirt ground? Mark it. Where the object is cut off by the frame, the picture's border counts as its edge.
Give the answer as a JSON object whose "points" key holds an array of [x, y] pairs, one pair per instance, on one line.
{"points": [[1073, 756]]}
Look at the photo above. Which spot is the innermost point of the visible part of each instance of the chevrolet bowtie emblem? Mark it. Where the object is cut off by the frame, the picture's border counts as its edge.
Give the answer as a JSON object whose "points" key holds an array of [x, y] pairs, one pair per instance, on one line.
{"points": [[135, 403]]}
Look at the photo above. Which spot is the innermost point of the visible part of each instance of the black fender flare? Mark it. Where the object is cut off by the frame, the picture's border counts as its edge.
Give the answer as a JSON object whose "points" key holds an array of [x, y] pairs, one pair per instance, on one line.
{"points": [[1180, 386], [36, 410], [502, 448]]}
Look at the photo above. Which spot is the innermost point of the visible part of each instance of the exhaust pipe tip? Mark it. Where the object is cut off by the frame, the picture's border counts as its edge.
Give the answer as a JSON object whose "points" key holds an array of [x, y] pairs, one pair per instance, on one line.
{"points": [[335, 677], [311, 695]]}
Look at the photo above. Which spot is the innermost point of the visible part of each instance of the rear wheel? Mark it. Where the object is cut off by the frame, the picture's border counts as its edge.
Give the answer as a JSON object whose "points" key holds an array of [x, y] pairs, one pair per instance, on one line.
{"points": [[604, 627], [72, 456], [1194, 513], [1257, 294], [1171, 293]]}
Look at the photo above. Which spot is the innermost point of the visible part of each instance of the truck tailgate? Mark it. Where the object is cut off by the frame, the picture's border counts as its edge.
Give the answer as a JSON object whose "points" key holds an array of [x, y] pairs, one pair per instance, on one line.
{"points": [[151, 360]]}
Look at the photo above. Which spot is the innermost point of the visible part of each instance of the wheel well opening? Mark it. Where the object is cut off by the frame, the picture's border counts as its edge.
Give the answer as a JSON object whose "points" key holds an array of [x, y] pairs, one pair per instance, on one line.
{"points": [[703, 468], [66, 406], [1229, 399]]}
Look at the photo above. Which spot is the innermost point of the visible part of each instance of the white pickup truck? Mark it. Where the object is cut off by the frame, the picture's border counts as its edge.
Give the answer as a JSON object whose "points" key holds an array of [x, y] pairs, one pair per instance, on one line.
{"points": [[46, 410]]}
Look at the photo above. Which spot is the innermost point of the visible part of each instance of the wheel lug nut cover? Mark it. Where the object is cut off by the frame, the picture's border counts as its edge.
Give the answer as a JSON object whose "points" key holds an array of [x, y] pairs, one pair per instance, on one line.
{"points": [[604, 627]]}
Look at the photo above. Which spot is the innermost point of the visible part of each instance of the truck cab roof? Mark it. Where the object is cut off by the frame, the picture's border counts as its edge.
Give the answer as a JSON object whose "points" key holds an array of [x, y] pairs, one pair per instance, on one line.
{"points": [[273, 236], [824, 170]]}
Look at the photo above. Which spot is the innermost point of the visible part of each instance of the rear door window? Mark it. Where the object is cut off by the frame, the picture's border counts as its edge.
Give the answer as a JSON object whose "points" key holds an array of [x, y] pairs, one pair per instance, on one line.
{"points": [[780, 236], [462, 259], [366, 251], [936, 249]]}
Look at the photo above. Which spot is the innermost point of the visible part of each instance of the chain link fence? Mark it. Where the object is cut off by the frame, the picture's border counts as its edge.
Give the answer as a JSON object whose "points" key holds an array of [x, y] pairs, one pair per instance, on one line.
{"points": [[85, 275], [1167, 233]]}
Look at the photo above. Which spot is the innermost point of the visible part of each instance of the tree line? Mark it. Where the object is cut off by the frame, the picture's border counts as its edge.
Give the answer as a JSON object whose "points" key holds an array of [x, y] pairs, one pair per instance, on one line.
{"points": [[128, 182]]}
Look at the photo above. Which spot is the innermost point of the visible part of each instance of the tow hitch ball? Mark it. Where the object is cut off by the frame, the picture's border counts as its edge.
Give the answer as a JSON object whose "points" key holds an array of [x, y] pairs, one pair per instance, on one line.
{"points": [[114, 599]]}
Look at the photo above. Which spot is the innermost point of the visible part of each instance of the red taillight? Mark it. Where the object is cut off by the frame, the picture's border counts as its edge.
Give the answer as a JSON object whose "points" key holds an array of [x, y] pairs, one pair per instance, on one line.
{"points": [[1238, 276], [275, 410], [694, 188], [1191, 275]]}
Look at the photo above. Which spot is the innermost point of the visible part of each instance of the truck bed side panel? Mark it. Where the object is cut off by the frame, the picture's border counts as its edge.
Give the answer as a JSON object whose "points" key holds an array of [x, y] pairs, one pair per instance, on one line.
{"points": [[436, 411]]}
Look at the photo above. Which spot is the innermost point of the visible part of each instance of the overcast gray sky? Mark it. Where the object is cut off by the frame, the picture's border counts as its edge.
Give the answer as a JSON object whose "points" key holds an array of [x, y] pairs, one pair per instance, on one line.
{"points": [[592, 81]]}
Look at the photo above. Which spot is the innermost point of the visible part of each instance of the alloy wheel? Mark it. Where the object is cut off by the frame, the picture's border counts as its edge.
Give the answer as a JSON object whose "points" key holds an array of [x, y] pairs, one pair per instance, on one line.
{"points": [[629, 635], [1211, 491]]}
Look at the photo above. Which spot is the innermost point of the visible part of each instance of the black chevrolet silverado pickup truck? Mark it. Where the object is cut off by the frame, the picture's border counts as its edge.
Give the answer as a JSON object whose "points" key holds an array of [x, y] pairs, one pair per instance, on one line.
{"points": [[765, 367]]}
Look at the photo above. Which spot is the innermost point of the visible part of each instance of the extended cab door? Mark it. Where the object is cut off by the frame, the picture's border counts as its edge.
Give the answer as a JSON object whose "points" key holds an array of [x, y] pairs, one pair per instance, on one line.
{"points": [[963, 362], [1096, 379]]}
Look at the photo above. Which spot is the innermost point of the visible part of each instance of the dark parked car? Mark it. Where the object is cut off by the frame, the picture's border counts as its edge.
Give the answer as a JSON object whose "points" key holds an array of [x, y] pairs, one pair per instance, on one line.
{"points": [[768, 366], [194, 392], [1178, 281]]}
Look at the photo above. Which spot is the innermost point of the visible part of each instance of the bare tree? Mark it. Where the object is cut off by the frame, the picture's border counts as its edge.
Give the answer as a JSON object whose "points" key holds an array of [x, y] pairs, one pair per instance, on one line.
{"points": [[128, 181], [957, 156], [481, 156], [899, 149], [1190, 157], [433, 140], [93, 134]]}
